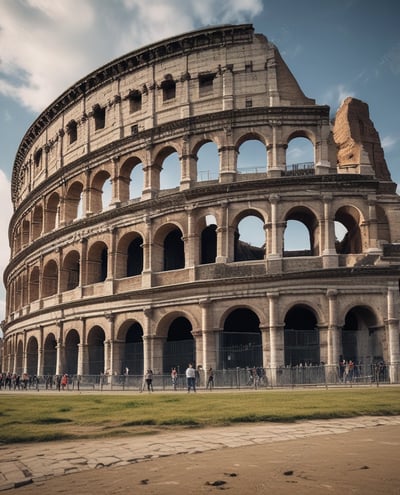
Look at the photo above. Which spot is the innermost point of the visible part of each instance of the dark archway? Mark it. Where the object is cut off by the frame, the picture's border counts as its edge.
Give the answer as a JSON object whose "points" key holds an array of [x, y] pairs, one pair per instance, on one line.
{"points": [[50, 355], [301, 337], [179, 348], [133, 355], [208, 244], [362, 337], [241, 344], [72, 342], [174, 251], [32, 356], [135, 258], [96, 350]]}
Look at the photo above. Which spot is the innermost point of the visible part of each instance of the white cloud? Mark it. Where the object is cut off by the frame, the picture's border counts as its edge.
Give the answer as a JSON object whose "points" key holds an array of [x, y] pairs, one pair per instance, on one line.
{"points": [[47, 45], [335, 95], [389, 142]]}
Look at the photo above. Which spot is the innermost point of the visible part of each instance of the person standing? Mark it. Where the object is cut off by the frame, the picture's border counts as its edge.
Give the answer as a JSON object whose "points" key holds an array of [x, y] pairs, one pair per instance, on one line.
{"points": [[210, 379], [149, 380], [174, 378], [191, 377]]}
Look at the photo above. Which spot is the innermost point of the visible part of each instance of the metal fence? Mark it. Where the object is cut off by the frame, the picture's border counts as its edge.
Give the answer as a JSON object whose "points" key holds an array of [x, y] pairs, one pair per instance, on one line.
{"points": [[238, 378]]}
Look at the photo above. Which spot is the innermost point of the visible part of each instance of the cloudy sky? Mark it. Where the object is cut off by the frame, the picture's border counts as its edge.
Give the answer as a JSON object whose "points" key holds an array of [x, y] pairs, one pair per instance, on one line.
{"points": [[335, 49]]}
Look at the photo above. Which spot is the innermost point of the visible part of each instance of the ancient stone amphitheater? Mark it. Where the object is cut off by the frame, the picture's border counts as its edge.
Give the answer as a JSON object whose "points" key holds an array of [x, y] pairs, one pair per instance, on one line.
{"points": [[118, 266]]}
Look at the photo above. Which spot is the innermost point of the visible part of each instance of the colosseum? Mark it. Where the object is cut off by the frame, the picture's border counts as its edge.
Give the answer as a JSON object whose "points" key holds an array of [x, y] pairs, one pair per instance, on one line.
{"points": [[118, 264]]}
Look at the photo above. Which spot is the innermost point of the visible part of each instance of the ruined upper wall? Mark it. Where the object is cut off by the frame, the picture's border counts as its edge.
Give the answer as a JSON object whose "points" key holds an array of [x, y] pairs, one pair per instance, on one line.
{"points": [[357, 140]]}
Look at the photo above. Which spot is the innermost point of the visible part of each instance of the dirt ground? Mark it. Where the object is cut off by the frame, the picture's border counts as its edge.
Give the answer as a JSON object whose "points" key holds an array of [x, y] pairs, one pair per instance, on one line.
{"points": [[364, 461]]}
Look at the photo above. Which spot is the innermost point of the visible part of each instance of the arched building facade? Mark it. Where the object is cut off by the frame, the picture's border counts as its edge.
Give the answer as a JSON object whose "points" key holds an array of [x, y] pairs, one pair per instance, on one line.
{"points": [[126, 255]]}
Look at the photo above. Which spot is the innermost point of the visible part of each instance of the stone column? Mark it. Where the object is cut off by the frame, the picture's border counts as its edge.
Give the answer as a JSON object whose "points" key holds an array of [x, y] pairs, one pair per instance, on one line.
{"points": [[209, 357], [227, 88], [222, 232], [330, 257], [374, 246], [39, 371], [147, 340], [392, 325], [147, 254], [276, 334], [334, 331], [83, 360]]}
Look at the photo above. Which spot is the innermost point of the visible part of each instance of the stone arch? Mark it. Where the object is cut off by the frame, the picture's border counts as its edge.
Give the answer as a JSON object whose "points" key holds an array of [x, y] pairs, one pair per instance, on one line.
{"points": [[169, 248], [129, 255], [72, 343], [350, 217], [128, 183], [130, 353], [52, 212], [34, 284], [97, 262], [70, 271], [309, 220], [37, 222], [95, 342], [301, 336], [300, 151], [179, 345], [241, 342], [97, 199], [207, 227], [243, 248], [50, 279], [169, 166], [206, 160], [362, 336], [32, 355], [73, 202], [50, 355], [252, 156]]}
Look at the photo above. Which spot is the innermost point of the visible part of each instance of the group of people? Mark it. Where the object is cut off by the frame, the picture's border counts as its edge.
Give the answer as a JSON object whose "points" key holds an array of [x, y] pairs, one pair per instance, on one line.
{"points": [[192, 377], [14, 381]]}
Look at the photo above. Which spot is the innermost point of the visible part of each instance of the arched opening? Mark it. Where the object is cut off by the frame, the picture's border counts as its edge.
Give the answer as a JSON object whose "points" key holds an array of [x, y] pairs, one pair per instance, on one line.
{"points": [[72, 342], [32, 349], [71, 268], [249, 239], [50, 279], [34, 284], [241, 345], [37, 222], [95, 341], [52, 212], [300, 155], [209, 241], [50, 355], [252, 157], [362, 338], [170, 175], [131, 179], [134, 265], [100, 192], [208, 162], [73, 202], [97, 263], [351, 243], [133, 356], [301, 236], [179, 348], [301, 337], [174, 250]]}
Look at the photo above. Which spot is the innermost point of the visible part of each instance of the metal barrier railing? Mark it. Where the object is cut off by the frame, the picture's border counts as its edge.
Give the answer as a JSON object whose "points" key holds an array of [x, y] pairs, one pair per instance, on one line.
{"points": [[238, 378]]}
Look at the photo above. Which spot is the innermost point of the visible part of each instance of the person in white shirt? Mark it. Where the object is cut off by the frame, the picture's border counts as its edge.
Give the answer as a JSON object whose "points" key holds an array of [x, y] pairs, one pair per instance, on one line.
{"points": [[191, 377]]}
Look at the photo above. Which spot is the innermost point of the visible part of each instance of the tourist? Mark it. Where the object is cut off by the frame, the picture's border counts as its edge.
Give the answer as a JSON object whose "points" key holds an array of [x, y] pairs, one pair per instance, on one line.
{"points": [[174, 378], [191, 377]]}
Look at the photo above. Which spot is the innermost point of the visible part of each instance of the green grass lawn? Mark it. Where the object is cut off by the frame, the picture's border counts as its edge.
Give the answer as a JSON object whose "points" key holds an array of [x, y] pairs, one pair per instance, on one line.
{"points": [[26, 417]]}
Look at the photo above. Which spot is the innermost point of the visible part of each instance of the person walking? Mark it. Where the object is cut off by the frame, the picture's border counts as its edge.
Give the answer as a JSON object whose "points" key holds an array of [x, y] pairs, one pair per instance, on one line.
{"points": [[191, 377]]}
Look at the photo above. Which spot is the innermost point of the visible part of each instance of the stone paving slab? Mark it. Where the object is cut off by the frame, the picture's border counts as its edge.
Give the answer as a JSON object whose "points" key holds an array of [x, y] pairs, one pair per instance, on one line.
{"points": [[29, 463]]}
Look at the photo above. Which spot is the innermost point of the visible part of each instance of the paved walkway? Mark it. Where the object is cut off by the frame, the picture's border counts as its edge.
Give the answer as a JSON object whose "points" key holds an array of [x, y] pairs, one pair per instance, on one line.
{"points": [[30, 463]]}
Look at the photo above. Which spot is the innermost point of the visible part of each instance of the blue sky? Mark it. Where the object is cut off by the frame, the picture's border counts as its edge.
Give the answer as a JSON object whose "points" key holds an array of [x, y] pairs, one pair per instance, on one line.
{"points": [[335, 49]]}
